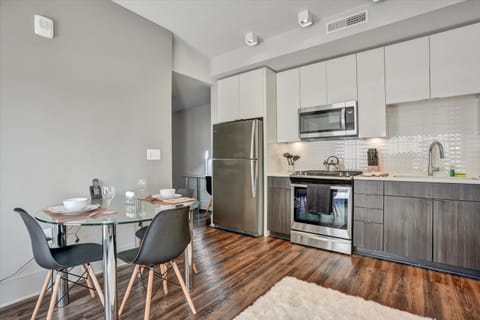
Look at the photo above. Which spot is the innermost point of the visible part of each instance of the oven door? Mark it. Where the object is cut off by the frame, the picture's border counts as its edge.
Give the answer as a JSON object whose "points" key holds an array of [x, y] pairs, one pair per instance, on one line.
{"points": [[338, 223]]}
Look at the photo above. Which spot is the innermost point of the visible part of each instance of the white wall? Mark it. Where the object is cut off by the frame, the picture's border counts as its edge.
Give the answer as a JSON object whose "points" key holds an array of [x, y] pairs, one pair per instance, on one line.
{"points": [[191, 138], [411, 128], [190, 62], [86, 104]]}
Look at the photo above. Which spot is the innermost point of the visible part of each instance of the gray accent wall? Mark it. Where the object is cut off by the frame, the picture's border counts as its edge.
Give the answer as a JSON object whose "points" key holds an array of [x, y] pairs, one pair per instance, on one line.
{"points": [[85, 104], [191, 137]]}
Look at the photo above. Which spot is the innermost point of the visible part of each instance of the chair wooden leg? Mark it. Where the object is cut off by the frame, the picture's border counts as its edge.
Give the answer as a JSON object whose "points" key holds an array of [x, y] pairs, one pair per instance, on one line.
{"points": [[88, 280], [163, 271], [53, 299], [92, 275], [209, 206], [42, 294], [182, 284], [129, 289], [194, 267], [149, 294]]}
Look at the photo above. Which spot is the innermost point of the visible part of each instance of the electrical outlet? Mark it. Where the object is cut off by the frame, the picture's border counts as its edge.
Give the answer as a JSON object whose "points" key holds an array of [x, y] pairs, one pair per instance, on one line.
{"points": [[48, 232]]}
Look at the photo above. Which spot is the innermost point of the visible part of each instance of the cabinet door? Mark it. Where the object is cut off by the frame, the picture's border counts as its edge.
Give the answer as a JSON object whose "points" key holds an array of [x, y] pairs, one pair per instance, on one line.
{"points": [[408, 227], [368, 235], [227, 99], [252, 102], [455, 63], [371, 94], [279, 205], [342, 79], [455, 233], [313, 85], [288, 101], [407, 71]]}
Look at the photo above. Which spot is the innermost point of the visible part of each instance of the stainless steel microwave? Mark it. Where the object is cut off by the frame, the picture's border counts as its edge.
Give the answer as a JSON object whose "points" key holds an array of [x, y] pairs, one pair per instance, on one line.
{"points": [[333, 120]]}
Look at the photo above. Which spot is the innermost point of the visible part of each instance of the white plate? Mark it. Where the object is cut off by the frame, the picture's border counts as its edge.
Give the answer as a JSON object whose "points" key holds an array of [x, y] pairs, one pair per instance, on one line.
{"points": [[160, 197], [62, 210]]}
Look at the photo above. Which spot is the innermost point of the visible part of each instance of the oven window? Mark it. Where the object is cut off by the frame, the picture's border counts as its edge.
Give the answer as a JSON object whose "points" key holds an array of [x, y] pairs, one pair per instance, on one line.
{"points": [[321, 121], [337, 217]]}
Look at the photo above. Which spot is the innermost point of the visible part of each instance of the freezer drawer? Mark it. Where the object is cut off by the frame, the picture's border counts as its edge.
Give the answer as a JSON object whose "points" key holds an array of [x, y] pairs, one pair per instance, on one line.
{"points": [[238, 196]]}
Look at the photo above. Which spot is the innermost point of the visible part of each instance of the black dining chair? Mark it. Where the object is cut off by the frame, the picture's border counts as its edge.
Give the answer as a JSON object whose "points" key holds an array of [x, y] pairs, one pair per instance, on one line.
{"points": [[165, 239], [60, 259], [208, 188]]}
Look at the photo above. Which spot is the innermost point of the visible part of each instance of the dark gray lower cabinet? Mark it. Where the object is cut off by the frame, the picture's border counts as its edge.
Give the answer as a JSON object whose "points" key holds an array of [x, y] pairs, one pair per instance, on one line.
{"points": [[408, 227], [456, 233], [279, 206], [368, 235]]}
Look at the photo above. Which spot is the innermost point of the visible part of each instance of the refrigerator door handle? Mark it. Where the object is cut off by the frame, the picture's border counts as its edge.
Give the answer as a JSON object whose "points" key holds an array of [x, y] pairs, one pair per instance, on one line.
{"points": [[252, 141], [253, 177]]}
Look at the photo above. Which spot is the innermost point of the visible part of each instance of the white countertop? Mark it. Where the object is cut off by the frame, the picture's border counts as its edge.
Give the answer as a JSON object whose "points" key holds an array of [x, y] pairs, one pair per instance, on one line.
{"points": [[412, 178], [278, 174]]}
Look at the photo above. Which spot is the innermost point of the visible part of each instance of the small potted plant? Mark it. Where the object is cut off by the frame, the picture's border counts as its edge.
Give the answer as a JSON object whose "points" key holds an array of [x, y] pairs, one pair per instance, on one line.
{"points": [[291, 161]]}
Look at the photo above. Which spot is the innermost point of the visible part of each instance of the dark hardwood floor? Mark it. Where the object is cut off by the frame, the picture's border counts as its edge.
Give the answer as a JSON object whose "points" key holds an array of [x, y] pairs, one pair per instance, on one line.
{"points": [[235, 270]]}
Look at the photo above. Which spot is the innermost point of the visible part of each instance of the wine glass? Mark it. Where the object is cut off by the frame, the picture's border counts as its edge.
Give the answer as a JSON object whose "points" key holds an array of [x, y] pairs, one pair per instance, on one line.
{"points": [[108, 194], [142, 188]]}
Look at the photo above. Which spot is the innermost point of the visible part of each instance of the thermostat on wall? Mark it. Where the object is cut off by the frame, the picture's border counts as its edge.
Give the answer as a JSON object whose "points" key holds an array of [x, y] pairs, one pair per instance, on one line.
{"points": [[43, 26]]}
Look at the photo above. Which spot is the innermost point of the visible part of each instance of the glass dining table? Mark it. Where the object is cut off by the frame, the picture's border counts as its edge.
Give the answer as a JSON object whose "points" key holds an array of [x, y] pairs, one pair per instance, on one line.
{"points": [[119, 212]]}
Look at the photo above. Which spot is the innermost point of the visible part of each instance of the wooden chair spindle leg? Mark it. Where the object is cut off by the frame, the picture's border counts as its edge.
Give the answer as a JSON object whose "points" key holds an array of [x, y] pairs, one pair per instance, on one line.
{"points": [[92, 275], [149, 294], [129, 289], [53, 299], [42, 294], [182, 284], [89, 281]]}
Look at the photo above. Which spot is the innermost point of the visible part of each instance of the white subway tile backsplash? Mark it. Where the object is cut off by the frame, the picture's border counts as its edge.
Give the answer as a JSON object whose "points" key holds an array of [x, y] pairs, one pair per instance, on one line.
{"points": [[411, 128]]}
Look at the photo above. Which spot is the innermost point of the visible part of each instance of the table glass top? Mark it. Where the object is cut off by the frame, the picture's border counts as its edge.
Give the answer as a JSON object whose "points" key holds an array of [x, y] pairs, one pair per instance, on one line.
{"points": [[123, 213]]}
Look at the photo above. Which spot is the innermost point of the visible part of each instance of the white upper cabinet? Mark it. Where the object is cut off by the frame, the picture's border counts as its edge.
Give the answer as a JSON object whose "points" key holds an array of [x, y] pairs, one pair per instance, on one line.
{"points": [[342, 79], [228, 99], [407, 71], [252, 101], [371, 94], [455, 62], [313, 85], [288, 102]]}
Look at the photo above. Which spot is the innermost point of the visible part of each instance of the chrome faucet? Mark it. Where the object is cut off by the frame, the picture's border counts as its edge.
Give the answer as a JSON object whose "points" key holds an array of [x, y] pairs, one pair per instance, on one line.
{"points": [[431, 168]]}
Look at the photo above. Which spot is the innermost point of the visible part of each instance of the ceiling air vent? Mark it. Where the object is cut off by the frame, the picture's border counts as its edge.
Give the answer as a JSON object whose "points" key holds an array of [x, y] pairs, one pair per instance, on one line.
{"points": [[347, 22]]}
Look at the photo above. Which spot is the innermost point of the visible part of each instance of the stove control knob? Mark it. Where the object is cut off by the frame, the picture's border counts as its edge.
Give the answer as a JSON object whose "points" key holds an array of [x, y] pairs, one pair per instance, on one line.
{"points": [[347, 174], [340, 174]]}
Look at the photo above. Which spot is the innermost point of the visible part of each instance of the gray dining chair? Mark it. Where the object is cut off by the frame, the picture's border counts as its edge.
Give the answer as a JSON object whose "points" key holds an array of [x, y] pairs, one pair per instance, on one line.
{"points": [[165, 239], [61, 260]]}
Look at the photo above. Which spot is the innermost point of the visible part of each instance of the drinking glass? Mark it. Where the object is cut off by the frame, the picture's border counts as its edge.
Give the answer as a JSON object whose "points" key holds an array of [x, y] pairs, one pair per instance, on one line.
{"points": [[108, 194], [142, 188]]}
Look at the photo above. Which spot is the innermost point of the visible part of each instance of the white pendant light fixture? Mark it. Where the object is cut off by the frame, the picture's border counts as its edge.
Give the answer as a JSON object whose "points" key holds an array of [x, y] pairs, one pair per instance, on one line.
{"points": [[305, 18], [251, 39]]}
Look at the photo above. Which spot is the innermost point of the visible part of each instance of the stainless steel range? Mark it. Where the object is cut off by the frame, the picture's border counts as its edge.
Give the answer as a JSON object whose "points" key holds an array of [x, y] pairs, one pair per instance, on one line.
{"points": [[322, 207]]}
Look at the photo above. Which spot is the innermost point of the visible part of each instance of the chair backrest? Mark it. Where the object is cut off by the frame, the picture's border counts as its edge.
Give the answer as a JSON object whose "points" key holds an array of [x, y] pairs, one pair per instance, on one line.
{"points": [[208, 184], [166, 238], [40, 248], [185, 192]]}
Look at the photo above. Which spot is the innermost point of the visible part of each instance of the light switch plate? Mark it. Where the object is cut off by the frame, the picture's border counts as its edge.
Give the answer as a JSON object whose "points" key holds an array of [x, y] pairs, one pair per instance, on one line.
{"points": [[43, 26], [153, 154]]}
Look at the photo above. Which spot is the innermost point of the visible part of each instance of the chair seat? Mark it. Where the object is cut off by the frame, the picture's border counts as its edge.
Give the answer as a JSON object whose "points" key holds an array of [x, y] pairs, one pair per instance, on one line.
{"points": [[77, 254], [128, 256], [140, 233]]}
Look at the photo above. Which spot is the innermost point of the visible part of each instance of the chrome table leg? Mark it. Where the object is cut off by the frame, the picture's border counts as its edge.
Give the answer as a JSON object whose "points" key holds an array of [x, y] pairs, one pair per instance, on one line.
{"points": [[110, 271], [63, 296]]}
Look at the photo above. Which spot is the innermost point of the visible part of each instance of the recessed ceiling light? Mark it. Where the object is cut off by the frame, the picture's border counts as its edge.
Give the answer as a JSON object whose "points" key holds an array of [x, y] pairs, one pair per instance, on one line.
{"points": [[305, 18], [251, 39], [377, 0]]}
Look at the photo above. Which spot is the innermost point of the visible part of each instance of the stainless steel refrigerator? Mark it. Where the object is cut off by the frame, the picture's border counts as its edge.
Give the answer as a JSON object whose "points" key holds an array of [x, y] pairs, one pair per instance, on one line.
{"points": [[238, 176]]}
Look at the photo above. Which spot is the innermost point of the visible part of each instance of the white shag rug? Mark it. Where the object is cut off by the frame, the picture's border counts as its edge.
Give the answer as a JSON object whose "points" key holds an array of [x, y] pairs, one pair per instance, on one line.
{"points": [[291, 299]]}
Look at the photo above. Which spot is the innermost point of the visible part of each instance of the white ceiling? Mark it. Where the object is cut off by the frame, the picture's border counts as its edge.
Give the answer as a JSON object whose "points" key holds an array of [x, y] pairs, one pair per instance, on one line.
{"points": [[214, 27], [188, 92]]}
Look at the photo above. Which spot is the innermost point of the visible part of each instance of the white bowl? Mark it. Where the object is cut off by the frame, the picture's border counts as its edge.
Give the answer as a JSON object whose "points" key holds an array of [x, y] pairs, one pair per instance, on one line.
{"points": [[167, 192], [75, 204]]}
